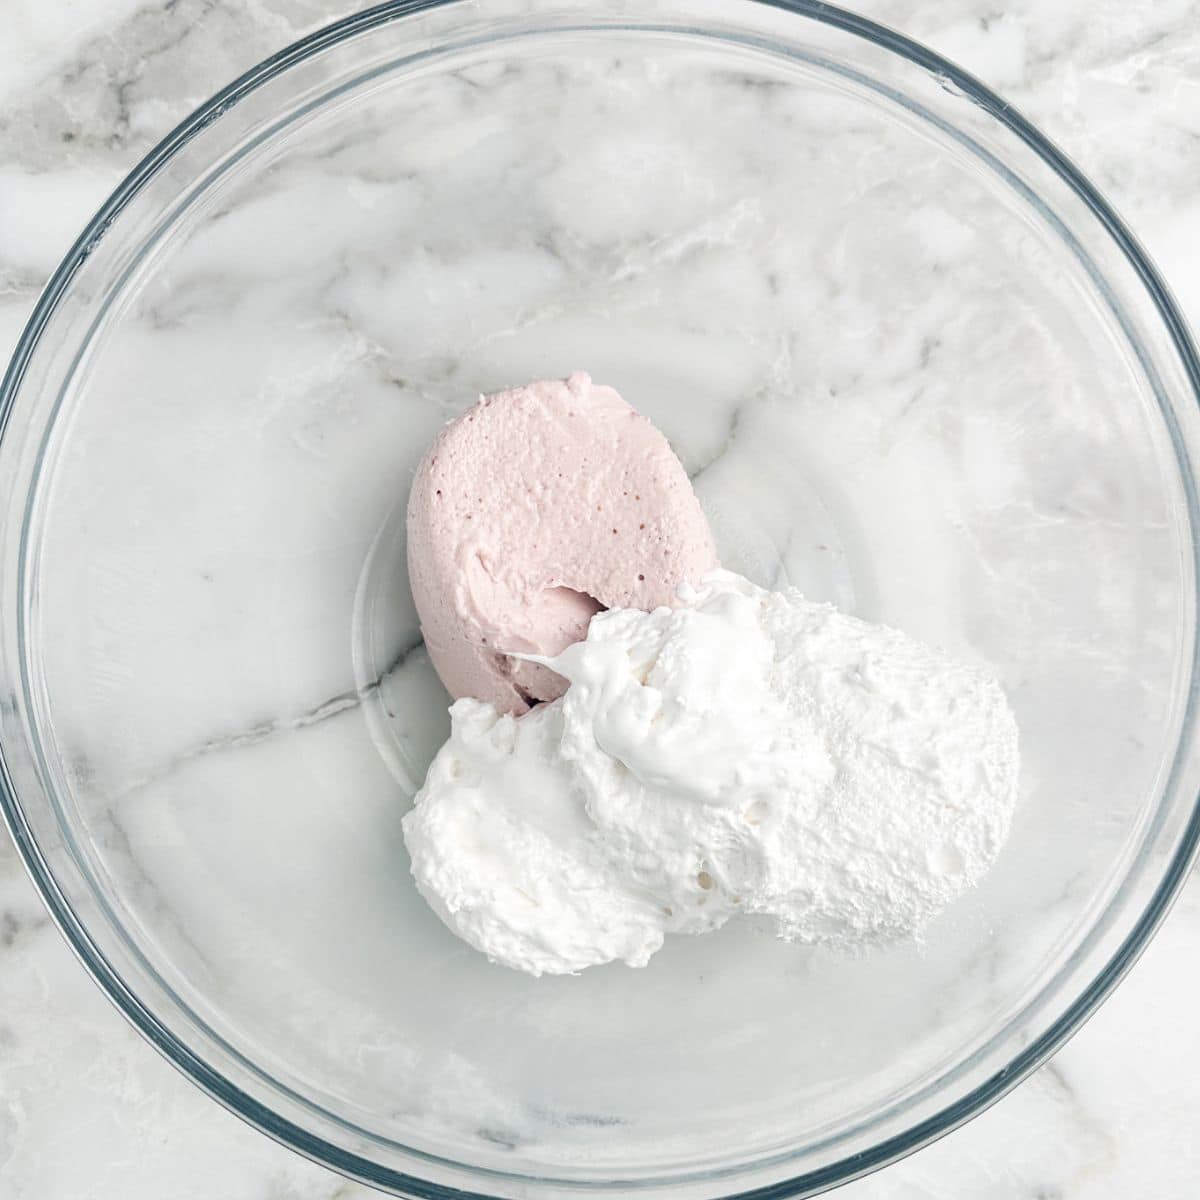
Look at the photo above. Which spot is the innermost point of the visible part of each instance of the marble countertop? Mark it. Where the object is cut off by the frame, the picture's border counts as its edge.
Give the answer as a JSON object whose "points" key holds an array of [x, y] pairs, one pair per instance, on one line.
{"points": [[88, 1111]]}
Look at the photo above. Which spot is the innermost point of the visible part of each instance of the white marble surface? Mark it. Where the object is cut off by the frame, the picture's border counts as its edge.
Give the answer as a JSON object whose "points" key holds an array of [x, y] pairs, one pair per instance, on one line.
{"points": [[86, 1109]]}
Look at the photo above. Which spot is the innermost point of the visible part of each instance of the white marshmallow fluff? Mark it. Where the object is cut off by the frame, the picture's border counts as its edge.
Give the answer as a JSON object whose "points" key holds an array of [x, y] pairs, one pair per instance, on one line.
{"points": [[747, 752]]}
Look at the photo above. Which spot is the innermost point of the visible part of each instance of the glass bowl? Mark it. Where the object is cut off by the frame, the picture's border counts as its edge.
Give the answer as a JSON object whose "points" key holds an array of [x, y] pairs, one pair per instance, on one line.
{"points": [[914, 364]]}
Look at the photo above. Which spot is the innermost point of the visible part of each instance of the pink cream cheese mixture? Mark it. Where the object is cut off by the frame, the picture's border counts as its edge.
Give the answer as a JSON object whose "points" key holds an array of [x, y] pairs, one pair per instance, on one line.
{"points": [[537, 508]]}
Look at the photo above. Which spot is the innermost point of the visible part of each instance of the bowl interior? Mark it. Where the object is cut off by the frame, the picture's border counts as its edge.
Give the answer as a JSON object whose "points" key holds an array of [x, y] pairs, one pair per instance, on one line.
{"points": [[899, 381]]}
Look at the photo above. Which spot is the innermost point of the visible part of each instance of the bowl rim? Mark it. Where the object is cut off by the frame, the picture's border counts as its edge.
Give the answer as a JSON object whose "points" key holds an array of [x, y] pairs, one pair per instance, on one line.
{"points": [[319, 1149]]}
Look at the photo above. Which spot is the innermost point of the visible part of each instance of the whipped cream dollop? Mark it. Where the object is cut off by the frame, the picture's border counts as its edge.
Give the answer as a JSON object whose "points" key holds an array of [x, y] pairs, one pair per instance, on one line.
{"points": [[747, 752]]}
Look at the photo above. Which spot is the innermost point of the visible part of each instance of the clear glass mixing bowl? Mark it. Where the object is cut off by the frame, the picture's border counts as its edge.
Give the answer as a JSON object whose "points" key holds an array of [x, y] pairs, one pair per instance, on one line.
{"points": [[915, 365]]}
